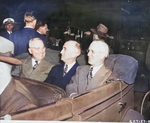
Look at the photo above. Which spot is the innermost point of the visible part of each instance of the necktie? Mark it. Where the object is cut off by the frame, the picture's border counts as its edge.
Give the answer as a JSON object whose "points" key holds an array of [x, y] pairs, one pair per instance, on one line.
{"points": [[90, 74], [65, 70], [35, 65]]}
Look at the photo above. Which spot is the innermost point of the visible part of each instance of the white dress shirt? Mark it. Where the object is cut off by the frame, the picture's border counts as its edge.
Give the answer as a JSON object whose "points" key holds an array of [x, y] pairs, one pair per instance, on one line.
{"points": [[70, 66], [95, 69], [33, 62]]}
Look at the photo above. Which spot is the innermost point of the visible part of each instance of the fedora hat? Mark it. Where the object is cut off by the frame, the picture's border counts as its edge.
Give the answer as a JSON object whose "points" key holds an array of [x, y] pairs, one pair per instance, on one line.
{"points": [[6, 52], [101, 30]]}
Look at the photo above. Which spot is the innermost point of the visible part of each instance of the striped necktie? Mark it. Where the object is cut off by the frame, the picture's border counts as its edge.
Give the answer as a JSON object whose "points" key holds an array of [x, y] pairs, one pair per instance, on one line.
{"points": [[90, 74], [65, 70], [35, 65]]}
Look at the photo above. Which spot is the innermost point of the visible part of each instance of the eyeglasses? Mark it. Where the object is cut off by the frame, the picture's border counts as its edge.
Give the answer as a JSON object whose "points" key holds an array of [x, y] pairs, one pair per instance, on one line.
{"points": [[92, 51], [38, 48]]}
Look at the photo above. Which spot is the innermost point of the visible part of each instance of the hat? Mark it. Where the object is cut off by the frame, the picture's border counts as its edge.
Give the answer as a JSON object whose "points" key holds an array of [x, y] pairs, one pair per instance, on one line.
{"points": [[6, 51], [101, 30], [8, 20], [30, 16]]}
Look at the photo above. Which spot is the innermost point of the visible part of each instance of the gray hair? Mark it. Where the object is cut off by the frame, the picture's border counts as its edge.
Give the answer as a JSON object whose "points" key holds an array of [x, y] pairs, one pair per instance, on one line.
{"points": [[102, 46], [34, 39]]}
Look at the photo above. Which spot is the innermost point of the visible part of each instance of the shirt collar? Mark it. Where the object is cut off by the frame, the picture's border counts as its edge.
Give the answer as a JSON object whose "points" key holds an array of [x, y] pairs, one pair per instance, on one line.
{"points": [[28, 27], [95, 69], [33, 62], [70, 65], [39, 32], [9, 32]]}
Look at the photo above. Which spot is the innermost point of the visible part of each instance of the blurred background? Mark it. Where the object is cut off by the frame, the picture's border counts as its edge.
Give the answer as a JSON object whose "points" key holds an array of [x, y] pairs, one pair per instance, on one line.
{"points": [[128, 21], [125, 19]]}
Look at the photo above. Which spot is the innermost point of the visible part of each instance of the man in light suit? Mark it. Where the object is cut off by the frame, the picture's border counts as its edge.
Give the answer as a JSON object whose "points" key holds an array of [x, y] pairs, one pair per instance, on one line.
{"points": [[34, 66], [61, 74], [88, 77], [14, 96]]}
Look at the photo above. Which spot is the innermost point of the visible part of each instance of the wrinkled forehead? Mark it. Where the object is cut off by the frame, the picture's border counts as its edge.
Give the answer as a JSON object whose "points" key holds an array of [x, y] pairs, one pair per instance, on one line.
{"points": [[95, 46], [99, 46], [37, 43], [70, 44]]}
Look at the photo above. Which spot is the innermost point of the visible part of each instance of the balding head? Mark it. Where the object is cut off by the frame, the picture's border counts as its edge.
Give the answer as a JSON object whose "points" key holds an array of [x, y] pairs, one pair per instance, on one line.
{"points": [[71, 50]]}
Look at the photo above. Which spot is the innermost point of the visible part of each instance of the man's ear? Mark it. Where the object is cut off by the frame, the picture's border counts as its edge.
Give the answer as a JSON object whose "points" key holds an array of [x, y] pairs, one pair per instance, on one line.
{"points": [[79, 53], [34, 21], [102, 55], [30, 51], [75, 54]]}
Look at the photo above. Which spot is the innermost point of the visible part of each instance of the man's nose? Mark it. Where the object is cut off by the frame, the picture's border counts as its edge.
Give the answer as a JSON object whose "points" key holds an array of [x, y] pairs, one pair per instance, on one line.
{"points": [[42, 50], [89, 53], [61, 51]]}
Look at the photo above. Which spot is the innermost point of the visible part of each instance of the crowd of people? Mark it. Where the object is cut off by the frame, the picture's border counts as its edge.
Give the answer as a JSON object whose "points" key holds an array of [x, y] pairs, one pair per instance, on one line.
{"points": [[70, 76]]}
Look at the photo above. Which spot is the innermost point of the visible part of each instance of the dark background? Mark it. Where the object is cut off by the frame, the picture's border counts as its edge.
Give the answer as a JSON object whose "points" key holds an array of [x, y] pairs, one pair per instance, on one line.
{"points": [[125, 19], [130, 17]]}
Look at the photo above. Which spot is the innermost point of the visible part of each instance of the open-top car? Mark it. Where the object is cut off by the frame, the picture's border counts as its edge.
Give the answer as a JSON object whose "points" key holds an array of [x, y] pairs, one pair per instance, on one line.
{"points": [[111, 102]]}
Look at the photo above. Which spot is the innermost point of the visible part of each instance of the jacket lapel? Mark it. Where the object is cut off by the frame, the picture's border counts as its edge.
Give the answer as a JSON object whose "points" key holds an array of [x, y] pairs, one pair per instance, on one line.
{"points": [[83, 79], [27, 66], [72, 70], [40, 68], [97, 79]]}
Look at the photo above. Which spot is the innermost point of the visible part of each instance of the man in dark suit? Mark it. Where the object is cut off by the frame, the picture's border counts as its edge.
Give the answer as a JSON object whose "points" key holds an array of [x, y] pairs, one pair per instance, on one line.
{"points": [[34, 66], [21, 38], [88, 77], [8, 24], [61, 74], [42, 28], [14, 96]]}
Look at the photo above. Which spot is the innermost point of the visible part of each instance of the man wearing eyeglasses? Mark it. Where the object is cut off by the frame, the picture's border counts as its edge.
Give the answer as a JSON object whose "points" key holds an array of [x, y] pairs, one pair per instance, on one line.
{"points": [[90, 76], [34, 66]]}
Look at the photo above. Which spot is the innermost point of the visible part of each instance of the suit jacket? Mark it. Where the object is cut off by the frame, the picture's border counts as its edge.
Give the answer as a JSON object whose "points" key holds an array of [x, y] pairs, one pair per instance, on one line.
{"points": [[26, 70], [16, 97], [56, 77], [21, 39], [43, 38], [79, 82], [5, 34]]}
